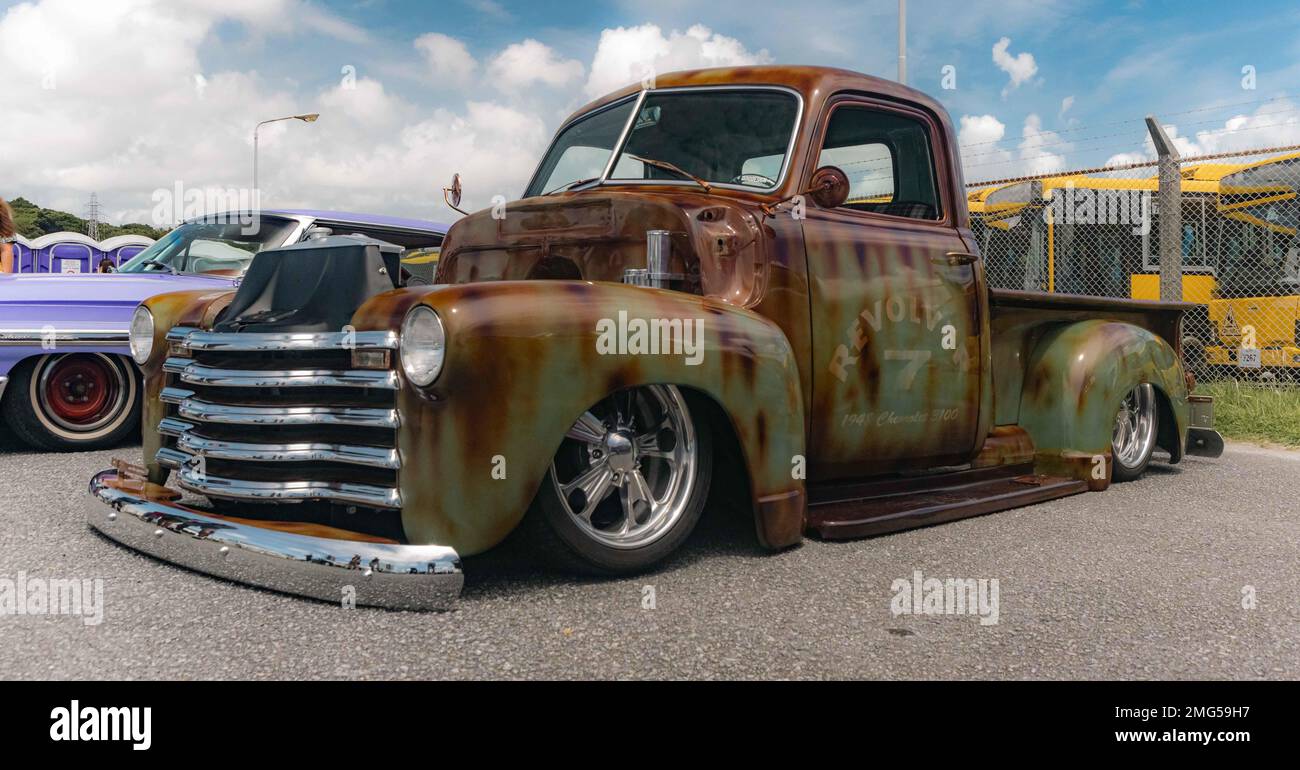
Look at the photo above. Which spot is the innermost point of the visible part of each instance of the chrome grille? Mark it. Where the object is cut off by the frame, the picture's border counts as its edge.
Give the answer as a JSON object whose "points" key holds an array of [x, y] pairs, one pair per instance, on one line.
{"points": [[282, 417]]}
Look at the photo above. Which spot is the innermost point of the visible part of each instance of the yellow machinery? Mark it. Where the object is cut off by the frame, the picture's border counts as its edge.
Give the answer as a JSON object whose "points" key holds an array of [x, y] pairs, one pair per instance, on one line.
{"points": [[1256, 308], [1099, 236]]}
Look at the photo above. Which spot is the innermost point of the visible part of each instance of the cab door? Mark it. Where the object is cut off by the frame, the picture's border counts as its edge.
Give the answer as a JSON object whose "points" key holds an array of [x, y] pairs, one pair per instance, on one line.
{"points": [[895, 302]]}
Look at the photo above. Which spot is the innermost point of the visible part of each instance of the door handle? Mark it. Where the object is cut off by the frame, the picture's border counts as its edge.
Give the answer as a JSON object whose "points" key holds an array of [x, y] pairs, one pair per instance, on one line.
{"points": [[957, 258]]}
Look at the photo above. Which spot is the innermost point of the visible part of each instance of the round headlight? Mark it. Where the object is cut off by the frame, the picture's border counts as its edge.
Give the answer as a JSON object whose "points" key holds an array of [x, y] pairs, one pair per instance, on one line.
{"points": [[423, 345], [141, 334]]}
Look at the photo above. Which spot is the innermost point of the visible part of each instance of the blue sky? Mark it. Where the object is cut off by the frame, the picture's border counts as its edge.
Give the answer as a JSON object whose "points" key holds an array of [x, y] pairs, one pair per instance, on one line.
{"points": [[1068, 88], [1118, 60]]}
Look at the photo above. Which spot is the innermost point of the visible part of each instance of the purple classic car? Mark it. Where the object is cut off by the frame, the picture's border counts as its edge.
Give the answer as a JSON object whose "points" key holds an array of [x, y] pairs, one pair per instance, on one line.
{"points": [[67, 380]]}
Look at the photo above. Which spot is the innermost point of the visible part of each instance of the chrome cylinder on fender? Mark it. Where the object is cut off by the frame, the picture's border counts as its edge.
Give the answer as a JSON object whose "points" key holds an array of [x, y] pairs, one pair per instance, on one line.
{"points": [[658, 255]]}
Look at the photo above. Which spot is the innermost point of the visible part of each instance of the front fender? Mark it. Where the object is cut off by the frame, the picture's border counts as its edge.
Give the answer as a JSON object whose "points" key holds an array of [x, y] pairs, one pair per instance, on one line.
{"points": [[1076, 377], [522, 363]]}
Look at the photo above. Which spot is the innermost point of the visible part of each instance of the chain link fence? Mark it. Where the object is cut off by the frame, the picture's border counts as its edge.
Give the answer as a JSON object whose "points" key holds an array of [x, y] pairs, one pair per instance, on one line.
{"points": [[1234, 251]]}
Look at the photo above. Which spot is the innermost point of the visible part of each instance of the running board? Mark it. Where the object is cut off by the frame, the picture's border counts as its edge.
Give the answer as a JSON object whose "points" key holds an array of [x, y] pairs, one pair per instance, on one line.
{"points": [[898, 504]]}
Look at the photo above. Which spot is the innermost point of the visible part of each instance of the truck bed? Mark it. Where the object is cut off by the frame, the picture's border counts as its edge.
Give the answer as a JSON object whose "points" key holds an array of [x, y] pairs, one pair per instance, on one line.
{"points": [[1163, 318]]}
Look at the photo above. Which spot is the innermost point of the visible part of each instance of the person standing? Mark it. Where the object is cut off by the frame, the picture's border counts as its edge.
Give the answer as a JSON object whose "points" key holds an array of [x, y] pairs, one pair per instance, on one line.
{"points": [[7, 237]]}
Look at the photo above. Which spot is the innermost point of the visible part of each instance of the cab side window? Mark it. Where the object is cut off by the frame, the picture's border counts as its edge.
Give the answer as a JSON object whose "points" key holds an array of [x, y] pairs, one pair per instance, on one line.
{"points": [[888, 161]]}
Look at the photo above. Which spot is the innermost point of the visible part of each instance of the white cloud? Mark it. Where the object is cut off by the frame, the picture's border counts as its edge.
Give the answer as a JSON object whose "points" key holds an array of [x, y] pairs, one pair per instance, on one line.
{"points": [[1066, 104], [530, 62], [314, 19], [980, 130], [1034, 157], [1125, 158], [981, 155], [491, 8], [1020, 67], [1274, 124], [448, 59], [365, 101], [372, 149], [630, 54], [985, 157], [492, 146]]}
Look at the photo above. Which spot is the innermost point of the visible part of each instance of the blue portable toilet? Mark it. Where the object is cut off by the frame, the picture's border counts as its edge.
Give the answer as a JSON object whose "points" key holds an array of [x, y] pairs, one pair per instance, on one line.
{"points": [[121, 248], [69, 252], [70, 257], [22, 255]]}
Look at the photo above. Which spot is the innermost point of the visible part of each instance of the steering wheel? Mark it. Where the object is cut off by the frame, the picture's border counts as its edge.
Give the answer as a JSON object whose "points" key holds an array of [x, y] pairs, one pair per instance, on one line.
{"points": [[748, 179]]}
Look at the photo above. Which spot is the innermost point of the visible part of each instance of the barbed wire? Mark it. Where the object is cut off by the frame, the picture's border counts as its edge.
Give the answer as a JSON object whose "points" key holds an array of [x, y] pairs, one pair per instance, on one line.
{"points": [[1070, 129], [1024, 158], [1086, 139], [1139, 164]]}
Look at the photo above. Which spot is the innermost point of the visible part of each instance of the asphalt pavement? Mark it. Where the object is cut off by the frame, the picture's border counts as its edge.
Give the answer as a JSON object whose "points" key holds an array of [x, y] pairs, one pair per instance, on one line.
{"points": [[1192, 572]]}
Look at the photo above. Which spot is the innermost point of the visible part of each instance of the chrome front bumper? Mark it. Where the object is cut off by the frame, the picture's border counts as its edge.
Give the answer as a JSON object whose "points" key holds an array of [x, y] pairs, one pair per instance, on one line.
{"points": [[146, 517]]}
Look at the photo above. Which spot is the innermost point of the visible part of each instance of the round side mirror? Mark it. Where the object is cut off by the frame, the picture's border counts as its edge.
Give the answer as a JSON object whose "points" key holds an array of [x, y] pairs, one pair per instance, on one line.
{"points": [[830, 187], [453, 192]]}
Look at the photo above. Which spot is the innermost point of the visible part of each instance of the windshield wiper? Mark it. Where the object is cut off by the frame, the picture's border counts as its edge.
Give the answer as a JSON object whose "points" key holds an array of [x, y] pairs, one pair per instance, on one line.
{"points": [[671, 168], [569, 185], [161, 264]]}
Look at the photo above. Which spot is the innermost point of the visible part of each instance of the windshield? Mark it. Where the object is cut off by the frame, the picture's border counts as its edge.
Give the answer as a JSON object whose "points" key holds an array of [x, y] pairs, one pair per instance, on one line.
{"points": [[1259, 251], [737, 137], [581, 151], [210, 247]]}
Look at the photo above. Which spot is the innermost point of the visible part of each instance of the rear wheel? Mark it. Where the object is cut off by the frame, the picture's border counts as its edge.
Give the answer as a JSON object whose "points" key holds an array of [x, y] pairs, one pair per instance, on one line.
{"points": [[73, 401], [1133, 436], [627, 485]]}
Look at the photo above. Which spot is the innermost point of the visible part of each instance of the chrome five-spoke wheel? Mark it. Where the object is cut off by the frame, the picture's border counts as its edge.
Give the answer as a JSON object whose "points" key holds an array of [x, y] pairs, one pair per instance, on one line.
{"points": [[629, 480], [1133, 436]]}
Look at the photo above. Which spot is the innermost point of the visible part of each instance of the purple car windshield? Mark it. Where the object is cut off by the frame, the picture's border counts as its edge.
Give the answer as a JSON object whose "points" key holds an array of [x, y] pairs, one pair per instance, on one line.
{"points": [[207, 247]]}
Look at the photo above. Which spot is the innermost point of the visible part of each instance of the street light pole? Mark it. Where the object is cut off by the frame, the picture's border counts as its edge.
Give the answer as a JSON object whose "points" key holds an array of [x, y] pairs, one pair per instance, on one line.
{"points": [[306, 118], [902, 41]]}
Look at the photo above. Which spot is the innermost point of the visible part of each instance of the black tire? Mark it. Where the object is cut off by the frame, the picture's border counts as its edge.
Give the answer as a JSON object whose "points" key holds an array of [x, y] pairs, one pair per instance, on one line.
{"points": [[29, 413], [1132, 466], [552, 535]]}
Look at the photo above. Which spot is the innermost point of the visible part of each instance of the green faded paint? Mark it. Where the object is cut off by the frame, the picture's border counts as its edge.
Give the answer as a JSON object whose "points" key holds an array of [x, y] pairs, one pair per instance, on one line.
{"points": [[1063, 364], [1077, 375], [522, 364]]}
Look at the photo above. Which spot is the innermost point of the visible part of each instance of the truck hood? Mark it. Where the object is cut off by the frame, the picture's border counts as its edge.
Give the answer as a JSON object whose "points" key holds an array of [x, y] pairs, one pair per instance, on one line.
{"points": [[720, 244], [94, 299]]}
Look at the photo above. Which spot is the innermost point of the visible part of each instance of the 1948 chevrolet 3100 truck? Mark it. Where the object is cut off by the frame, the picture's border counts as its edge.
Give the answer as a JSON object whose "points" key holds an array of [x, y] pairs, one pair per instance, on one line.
{"points": [[752, 284]]}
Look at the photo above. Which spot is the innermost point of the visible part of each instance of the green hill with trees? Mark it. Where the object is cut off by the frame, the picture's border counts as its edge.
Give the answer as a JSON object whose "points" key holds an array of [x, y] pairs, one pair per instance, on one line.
{"points": [[32, 221]]}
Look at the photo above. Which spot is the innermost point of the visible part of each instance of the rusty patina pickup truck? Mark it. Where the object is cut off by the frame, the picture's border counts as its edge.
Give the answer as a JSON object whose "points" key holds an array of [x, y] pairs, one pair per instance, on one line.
{"points": [[750, 286]]}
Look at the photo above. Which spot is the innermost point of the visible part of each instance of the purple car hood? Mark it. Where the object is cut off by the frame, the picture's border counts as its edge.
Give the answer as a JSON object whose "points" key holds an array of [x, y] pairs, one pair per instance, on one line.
{"points": [[89, 300]]}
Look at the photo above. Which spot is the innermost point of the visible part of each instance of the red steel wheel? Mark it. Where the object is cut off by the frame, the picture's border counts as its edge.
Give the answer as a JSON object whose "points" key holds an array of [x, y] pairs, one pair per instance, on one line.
{"points": [[65, 401], [81, 392]]}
